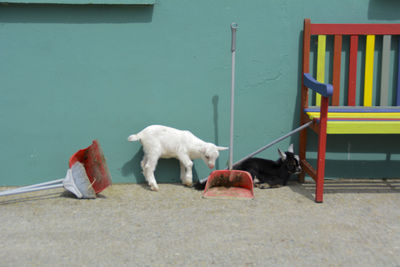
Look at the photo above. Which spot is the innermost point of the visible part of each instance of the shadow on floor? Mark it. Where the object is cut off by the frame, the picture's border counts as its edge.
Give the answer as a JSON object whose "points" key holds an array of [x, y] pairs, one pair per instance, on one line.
{"points": [[351, 186]]}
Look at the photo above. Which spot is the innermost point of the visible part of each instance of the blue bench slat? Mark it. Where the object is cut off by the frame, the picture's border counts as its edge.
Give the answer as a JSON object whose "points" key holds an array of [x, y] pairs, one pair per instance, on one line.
{"points": [[347, 109]]}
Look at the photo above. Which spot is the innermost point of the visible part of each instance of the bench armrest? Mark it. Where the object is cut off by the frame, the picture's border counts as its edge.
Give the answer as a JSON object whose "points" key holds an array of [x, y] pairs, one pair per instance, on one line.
{"points": [[323, 89]]}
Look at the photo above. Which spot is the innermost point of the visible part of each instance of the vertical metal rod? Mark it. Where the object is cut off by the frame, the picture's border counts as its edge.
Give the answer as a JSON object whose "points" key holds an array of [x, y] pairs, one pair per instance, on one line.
{"points": [[233, 49]]}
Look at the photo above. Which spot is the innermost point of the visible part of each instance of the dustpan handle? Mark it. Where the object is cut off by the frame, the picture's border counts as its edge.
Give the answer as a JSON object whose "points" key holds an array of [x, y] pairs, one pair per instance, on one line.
{"points": [[31, 189], [59, 181], [234, 27], [274, 142]]}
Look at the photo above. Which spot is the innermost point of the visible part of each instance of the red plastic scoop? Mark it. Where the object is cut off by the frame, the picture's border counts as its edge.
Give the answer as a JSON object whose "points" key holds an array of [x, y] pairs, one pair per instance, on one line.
{"points": [[95, 165], [229, 184]]}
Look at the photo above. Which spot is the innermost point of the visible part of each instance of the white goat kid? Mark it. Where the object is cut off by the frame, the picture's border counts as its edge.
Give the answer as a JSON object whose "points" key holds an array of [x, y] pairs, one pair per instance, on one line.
{"points": [[165, 142]]}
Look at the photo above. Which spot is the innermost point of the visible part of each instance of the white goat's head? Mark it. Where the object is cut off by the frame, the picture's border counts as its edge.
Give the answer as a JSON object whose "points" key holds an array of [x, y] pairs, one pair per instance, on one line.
{"points": [[210, 154]]}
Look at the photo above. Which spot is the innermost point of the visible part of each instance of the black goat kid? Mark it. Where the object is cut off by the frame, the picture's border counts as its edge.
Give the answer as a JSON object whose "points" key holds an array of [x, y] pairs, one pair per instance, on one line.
{"points": [[268, 173]]}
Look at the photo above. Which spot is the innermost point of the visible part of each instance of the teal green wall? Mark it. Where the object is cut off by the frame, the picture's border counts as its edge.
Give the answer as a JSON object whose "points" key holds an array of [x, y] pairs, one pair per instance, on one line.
{"points": [[73, 73]]}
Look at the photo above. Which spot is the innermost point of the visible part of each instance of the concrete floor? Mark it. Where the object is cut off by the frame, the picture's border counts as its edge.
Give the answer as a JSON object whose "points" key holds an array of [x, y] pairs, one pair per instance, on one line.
{"points": [[128, 225]]}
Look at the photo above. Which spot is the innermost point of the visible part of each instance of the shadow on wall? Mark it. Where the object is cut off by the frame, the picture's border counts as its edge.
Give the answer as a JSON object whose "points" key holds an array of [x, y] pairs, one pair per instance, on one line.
{"points": [[384, 10], [133, 167], [294, 139], [358, 156], [368, 169], [80, 14]]}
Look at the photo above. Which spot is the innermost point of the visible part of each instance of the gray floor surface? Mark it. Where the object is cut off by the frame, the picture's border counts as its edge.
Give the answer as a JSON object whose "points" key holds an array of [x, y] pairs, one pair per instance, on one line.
{"points": [[127, 225]]}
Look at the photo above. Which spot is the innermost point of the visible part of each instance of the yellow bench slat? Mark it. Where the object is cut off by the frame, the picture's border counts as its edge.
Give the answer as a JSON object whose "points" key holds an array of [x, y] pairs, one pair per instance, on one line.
{"points": [[363, 127], [320, 64], [369, 70], [391, 115]]}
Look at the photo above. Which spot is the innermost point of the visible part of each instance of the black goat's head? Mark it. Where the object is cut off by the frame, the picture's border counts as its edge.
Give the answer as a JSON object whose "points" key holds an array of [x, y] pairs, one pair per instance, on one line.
{"points": [[290, 160]]}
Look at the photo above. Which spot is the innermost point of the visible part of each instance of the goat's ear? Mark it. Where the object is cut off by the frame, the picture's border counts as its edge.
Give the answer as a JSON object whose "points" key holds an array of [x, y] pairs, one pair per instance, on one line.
{"points": [[290, 149], [221, 148], [283, 155]]}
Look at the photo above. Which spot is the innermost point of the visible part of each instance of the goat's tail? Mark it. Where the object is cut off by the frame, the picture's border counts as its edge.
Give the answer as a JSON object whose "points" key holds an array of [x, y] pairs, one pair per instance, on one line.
{"points": [[133, 137]]}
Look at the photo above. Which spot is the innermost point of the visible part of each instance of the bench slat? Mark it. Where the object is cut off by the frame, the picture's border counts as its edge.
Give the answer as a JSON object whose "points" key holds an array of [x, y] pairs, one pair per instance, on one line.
{"points": [[365, 119], [355, 29], [351, 96], [363, 127], [320, 64], [337, 55], [356, 109], [385, 70], [398, 78], [354, 115], [369, 70]]}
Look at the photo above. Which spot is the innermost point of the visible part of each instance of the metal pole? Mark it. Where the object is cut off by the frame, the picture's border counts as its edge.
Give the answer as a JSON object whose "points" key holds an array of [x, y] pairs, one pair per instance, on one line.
{"points": [[234, 27], [274, 142]]}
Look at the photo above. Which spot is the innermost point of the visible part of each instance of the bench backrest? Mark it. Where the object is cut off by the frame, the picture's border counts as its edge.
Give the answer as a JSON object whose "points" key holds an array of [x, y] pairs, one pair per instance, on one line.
{"points": [[372, 33]]}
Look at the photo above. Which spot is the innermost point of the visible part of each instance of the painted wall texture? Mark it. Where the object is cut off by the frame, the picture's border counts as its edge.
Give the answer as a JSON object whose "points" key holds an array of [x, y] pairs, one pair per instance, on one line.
{"points": [[73, 73]]}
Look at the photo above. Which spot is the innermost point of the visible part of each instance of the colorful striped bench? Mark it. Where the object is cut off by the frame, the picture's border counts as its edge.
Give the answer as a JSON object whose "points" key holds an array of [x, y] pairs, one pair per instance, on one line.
{"points": [[348, 105]]}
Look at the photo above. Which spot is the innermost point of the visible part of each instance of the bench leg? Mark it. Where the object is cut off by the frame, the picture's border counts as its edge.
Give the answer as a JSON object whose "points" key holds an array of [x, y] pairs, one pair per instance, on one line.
{"points": [[319, 191]]}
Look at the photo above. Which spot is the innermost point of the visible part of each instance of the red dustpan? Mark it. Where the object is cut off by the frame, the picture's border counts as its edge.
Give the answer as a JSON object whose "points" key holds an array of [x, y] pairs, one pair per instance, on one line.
{"points": [[87, 175], [95, 165], [230, 183], [226, 184]]}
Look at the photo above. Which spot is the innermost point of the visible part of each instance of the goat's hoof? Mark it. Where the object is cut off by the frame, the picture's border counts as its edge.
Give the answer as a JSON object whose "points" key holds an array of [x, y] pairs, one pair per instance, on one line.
{"points": [[189, 184], [154, 187], [263, 186]]}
